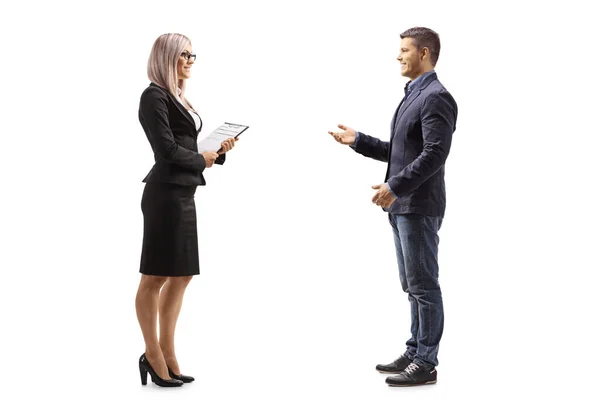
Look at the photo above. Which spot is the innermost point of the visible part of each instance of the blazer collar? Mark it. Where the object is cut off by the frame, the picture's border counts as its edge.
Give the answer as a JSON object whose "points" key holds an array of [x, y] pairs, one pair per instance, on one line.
{"points": [[422, 81], [178, 104]]}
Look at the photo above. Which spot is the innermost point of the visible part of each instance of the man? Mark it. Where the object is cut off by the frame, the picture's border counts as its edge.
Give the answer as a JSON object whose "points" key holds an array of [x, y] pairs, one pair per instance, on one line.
{"points": [[414, 196]]}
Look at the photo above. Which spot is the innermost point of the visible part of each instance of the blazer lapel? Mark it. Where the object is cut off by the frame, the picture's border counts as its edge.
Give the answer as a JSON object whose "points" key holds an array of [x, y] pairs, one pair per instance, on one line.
{"points": [[179, 106], [405, 103], [401, 109], [393, 123], [182, 109]]}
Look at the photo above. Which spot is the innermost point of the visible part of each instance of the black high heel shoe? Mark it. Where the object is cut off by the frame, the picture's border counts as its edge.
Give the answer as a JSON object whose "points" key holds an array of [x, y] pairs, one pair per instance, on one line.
{"points": [[182, 378], [146, 368]]}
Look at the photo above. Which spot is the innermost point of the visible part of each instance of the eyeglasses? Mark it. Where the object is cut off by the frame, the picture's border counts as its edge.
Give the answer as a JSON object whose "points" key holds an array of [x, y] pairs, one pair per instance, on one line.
{"points": [[188, 55]]}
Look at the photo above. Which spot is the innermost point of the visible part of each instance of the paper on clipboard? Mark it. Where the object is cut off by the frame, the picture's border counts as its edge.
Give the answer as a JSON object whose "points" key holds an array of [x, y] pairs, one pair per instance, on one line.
{"points": [[213, 141]]}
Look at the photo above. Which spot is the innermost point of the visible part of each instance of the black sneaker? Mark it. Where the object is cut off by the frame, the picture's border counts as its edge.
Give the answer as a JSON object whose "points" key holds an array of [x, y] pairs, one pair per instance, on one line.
{"points": [[395, 367], [413, 375]]}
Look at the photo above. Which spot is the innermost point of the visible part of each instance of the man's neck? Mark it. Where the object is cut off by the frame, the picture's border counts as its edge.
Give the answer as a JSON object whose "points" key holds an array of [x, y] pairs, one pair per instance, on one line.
{"points": [[424, 71]]}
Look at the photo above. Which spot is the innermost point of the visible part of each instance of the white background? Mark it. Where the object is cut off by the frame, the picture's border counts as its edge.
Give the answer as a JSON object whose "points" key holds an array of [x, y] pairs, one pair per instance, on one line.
{"points": [[299, 295]]}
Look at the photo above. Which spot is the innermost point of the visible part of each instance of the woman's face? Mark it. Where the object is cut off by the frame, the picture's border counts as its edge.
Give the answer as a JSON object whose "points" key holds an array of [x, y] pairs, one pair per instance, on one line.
{"points": [[185, 62]]}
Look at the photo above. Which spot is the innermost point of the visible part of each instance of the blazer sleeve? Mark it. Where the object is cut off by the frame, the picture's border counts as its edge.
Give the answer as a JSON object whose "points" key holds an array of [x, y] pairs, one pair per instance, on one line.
{"points": [[371, 147], [438, 121], [154, 110]]}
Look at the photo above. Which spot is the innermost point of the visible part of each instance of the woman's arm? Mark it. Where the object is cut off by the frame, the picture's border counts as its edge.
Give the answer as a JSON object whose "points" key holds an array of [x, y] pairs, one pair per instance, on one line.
{"points": [[154, 111]]}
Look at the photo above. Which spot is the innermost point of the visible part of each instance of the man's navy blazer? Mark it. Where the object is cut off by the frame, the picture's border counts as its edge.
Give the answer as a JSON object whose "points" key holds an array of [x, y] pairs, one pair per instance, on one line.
{"points": [[421, 134], [172, 134]]}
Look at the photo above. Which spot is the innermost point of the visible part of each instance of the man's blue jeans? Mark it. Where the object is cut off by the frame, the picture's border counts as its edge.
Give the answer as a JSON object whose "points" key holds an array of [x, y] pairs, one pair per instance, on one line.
{"points": [[416, 239]]}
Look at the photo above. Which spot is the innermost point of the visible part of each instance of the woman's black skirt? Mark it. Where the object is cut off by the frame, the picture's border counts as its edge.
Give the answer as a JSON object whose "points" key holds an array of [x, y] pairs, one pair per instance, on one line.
{"points": [[170, 245]]}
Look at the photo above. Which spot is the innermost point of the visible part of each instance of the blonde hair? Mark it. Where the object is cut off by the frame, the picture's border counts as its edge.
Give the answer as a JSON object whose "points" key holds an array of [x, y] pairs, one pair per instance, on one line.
{"points": [[162, 63]]}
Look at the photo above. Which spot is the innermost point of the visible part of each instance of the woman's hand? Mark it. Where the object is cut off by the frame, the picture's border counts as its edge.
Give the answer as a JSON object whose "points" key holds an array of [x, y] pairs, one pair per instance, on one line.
{"points": [[209, 157], [227, 145]]}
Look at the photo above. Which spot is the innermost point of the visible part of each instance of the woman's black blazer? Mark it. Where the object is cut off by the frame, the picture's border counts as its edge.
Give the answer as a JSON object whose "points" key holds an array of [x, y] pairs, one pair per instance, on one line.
{"points": [[171, 131]]}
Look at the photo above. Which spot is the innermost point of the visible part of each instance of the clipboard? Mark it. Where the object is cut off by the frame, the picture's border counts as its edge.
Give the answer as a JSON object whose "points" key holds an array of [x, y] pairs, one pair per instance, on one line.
{"points": [[226, 131]]}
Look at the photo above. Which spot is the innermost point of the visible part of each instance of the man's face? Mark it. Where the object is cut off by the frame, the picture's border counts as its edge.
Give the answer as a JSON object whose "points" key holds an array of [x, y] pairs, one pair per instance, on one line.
{"points": [[410, 60]]}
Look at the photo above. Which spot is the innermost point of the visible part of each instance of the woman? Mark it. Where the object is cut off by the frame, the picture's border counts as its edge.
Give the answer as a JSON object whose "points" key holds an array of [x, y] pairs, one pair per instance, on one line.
{"points": [[170, 245]]}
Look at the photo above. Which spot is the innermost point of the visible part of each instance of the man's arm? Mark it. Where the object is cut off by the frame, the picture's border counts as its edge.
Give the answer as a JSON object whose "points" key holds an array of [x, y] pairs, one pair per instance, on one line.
{"points": [[438, 122], [371, 147], [363, 144]]}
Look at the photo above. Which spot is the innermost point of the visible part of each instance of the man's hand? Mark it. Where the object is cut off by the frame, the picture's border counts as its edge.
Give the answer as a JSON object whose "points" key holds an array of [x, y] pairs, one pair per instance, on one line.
{"points": [[346, 137], [209, 157], [227, 145], [383, 197]]}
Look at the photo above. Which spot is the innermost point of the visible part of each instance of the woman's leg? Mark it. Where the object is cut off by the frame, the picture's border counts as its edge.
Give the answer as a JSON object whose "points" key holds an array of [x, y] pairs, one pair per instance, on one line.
{"points": [[171, 299], [146, 307]]}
